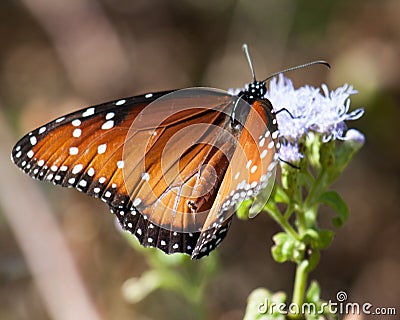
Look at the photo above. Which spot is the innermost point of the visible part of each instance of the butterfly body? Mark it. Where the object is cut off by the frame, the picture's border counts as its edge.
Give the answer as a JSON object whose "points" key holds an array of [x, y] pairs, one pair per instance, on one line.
{"points": [[171, 166]]}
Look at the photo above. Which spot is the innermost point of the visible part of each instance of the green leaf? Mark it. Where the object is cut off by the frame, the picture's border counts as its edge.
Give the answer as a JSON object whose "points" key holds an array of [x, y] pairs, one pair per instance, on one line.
{"points": [[259, 303], [318, 239], [313, 293], [325, 238], [313, 260], [333, 199]]}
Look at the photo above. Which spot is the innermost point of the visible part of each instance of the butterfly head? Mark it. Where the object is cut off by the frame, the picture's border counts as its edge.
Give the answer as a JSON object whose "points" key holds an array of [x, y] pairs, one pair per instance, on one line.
{"points": [[255, 91]]}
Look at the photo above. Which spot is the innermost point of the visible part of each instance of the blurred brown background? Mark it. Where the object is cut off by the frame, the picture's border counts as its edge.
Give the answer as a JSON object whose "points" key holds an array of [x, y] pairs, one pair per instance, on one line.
{"points": [[58, 56]]}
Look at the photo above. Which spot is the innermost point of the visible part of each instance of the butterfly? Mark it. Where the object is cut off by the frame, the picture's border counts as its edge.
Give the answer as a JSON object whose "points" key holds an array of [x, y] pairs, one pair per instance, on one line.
{"points": [[171, 166]]}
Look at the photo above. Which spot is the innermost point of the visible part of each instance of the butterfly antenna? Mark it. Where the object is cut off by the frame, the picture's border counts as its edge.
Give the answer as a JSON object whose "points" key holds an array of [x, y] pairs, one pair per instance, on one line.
{"points": [[246, 52], [299, 67]]}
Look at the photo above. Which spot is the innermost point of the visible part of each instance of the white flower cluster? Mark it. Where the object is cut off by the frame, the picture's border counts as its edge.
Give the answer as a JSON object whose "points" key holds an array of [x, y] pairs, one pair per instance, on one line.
{"points": [[309, 109]]}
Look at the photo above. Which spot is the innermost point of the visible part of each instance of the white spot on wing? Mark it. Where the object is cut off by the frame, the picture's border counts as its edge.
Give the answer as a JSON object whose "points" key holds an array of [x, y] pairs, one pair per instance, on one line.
{"points": [[120, 164], [137, 202], [83, 183], [110, 115], [271, 166], [149, 95], [249, 163], [42, 129], [77, 168], [77, 133], [145, 176], [88, 112], [33, 140], [30, 153], [73, 151], [264, 154], [102, 179], [108, 125], [76, 122], [120, 102], [90, 172], [101, 148]]}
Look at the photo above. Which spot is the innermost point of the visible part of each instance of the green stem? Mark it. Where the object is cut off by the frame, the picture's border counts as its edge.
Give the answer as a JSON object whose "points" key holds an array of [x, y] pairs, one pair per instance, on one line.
{"points": [[315, 191], [301, 221], [200, 311], [285, 225], [299, 288], [289, 211]]}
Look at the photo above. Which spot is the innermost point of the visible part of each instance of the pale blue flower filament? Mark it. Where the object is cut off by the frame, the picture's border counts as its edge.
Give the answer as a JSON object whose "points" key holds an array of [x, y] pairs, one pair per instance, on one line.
{"points": [[290, 153], [312, 109]]}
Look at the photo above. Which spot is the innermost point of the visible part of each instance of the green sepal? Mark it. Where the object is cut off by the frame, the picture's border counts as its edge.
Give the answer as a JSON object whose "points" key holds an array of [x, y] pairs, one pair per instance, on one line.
{"points": [[286, 248]]}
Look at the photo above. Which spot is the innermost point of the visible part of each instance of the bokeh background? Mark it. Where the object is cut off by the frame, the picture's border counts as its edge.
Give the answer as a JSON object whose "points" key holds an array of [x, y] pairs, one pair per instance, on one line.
{"points": [[61, 256]]}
